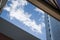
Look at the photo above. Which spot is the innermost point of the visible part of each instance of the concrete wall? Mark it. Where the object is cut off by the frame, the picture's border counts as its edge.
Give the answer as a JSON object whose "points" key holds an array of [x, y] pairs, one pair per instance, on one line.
{"points": [[14, 32]]}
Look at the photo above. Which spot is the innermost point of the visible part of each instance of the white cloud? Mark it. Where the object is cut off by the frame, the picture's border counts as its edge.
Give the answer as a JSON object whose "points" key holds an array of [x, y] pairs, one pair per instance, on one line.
{"points": [[22, 16]]}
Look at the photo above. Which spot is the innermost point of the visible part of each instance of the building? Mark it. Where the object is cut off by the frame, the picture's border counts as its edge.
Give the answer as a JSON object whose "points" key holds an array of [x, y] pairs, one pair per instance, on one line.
{"points": [[55, 28], [52, 28], [52, 25]]}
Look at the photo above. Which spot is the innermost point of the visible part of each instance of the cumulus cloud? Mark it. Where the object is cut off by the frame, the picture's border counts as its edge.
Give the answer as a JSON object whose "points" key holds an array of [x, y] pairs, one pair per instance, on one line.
{"points": [[17, 11]]}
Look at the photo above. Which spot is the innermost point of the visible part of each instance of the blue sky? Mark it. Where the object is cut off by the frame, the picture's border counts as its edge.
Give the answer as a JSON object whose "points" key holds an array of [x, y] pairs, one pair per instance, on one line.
{"points": [[25, 16]]}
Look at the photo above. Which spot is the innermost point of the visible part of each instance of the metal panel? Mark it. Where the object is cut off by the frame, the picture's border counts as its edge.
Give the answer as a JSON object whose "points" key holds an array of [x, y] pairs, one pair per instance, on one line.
{"points": [[55, 28]]}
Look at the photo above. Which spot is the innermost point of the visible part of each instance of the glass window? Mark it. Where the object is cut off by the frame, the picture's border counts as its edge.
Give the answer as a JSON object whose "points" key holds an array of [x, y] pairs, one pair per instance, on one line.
{"points": [[25, 16]]}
